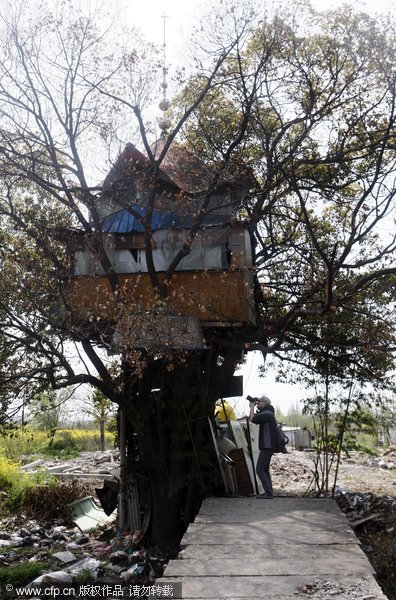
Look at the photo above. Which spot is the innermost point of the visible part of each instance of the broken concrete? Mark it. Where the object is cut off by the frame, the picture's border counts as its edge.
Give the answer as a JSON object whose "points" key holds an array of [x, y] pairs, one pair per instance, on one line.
{"points": [[89, 466]]}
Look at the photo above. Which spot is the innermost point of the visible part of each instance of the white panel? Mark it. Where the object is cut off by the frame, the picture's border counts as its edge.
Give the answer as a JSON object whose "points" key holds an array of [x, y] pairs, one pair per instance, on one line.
{"points": [[205, 252], [124, 262], [81, 266], [208, 251], [254, 437]]}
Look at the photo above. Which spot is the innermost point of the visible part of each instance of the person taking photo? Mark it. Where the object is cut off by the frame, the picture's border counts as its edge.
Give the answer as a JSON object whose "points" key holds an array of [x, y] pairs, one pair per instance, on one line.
{"points": [[265, 418]]}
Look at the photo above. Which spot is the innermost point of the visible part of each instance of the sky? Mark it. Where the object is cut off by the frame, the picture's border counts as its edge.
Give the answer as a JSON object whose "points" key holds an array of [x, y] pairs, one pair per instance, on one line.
{"points": [[282, 395], [181, 15]]}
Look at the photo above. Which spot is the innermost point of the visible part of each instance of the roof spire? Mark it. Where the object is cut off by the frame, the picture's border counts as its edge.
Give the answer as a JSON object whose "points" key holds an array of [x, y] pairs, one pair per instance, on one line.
{"points": [[164, 105]]}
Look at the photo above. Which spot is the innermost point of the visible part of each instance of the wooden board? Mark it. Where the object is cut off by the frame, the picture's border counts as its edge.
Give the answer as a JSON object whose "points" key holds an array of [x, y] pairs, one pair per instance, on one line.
{"points": [[244, 483], [264, 534], [257, 565], [290, 557]]}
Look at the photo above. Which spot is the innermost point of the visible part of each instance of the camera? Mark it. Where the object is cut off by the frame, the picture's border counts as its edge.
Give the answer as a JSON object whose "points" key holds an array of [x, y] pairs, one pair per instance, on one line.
{"points": [[251, 399]]}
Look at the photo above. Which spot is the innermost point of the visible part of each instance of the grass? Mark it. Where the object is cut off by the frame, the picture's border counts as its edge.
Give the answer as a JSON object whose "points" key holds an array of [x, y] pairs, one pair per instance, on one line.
{"points": [[39, 495], [21, 574]]}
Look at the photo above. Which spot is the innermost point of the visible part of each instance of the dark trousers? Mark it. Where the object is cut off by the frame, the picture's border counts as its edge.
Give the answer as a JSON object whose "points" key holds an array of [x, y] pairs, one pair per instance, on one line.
{"points": [[263, 470]]}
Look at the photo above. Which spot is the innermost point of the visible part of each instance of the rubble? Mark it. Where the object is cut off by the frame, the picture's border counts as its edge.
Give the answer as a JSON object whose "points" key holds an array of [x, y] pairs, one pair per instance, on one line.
{"points": [[293, 473], [88, 466], [356, 505], [380, 463], [79, 555], [64, 557], [54, 577], [373, 518], [331, 590], [116, 556]]}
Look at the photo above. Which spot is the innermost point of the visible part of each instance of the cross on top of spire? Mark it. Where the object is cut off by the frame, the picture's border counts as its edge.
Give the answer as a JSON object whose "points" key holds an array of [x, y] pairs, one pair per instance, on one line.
{"points": [[164, 122]]}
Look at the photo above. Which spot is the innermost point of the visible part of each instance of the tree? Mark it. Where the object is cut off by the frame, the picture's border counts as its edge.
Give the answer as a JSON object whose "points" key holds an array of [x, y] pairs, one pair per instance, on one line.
{"points": [[385, 415], [100, 410], [342, 380], [47, 412], [306, 154], [51, 111]]}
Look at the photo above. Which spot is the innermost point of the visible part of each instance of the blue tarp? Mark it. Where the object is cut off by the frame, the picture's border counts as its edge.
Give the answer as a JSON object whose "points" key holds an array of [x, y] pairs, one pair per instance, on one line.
{"points": [[124, 221]]}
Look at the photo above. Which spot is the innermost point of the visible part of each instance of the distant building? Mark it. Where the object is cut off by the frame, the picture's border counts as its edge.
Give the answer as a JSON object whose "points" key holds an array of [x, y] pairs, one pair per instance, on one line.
{"points": [[299, 438]]}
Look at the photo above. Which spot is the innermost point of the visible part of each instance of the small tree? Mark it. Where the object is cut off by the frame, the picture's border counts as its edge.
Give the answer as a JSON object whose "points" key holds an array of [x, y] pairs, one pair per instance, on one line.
{"points": [[101, 409], [47, 412], [386, 416], [343, 380]]}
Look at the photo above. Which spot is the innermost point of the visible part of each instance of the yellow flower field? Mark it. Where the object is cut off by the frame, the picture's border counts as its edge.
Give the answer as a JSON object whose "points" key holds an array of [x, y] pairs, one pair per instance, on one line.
{"points": [[27, 443]]}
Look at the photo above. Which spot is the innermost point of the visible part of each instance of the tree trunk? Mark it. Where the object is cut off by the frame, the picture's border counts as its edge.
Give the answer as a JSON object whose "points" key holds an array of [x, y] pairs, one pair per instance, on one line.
{"points": [[169, 445], [102, 434]]}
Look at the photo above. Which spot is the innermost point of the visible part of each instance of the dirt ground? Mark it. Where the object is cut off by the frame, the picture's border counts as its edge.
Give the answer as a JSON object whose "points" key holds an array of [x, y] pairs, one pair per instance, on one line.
{"points": [[366, 492], [293, 473]]}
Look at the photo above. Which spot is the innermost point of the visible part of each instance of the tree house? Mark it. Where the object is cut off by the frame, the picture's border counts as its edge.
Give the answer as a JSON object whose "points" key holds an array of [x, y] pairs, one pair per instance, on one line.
{"points": [[210, 287]]}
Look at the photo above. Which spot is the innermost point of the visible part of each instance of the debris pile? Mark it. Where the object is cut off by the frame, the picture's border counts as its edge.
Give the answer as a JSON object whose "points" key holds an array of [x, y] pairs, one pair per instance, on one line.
{"points": [[70, 556], [284, 474], [380, 463], [356, 505], [292, 473], [391, 451], [331, 590], [373, 519], [90, 465]]}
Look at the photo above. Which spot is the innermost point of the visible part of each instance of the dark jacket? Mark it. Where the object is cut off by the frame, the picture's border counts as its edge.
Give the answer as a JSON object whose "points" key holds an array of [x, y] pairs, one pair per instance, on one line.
{"points": [[267, 433]]}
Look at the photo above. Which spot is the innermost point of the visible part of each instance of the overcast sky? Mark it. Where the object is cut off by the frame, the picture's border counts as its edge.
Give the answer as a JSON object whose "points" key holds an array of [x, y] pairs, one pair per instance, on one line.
{"points": [[181, 13]]}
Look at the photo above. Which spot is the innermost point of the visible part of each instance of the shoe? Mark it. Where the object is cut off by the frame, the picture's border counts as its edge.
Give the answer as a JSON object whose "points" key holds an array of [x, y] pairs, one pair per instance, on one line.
{"points": [[265, 495]]}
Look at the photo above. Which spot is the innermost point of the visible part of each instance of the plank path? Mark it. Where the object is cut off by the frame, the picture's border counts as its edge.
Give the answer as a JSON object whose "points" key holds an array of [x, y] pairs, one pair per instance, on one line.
{"points": [[249, 548]]}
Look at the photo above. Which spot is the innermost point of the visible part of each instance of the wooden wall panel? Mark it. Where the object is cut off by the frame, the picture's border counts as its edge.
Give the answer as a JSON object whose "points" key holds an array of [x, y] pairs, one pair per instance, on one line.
{"points": [[224, 297]]}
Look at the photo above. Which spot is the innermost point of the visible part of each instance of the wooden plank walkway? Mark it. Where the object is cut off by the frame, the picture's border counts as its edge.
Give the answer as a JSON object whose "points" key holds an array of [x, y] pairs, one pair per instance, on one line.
{"points": [[247, 548]]}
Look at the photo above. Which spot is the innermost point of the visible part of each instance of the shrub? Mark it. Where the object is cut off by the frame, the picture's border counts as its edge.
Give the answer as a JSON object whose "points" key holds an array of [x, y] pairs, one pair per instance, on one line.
{"points": [[63, 441], [88, 440], [14, 482], [52, 502], [22, 444]]}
